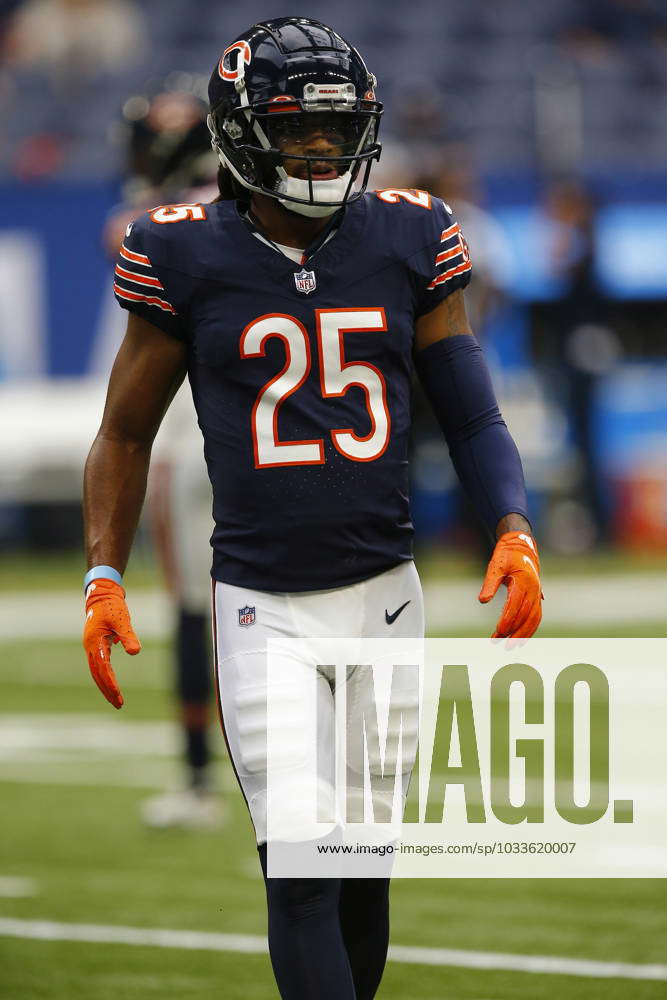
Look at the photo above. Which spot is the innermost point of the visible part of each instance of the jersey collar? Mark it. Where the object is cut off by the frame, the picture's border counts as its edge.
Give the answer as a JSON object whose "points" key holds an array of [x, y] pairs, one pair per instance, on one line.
{"points": [[332, 245]]}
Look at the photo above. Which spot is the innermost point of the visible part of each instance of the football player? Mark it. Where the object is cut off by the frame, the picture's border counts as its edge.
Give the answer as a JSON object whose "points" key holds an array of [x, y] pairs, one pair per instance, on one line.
{"points": [[300, 306]]}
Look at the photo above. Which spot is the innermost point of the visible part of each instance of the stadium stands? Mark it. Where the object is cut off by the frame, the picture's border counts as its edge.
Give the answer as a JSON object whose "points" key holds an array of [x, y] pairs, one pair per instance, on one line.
{"points": [[488, 62]]}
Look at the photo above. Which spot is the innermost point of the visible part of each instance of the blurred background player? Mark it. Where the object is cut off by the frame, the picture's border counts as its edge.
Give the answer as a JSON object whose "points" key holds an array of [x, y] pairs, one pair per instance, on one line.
{"points": [[170, 160], [446, 171], [575, 351]]}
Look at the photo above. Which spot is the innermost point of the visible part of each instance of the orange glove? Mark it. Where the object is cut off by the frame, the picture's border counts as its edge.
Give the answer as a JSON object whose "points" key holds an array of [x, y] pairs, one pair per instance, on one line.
{"points": [[107, 618], [515, 563]]}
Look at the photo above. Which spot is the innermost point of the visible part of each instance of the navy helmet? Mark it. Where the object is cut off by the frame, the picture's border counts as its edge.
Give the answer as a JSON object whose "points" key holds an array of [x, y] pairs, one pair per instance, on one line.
{"points": [[291, 89]]}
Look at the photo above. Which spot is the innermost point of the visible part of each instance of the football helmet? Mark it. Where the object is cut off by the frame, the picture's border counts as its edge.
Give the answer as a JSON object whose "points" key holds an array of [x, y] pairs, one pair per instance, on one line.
{"points": [[293, 115]]}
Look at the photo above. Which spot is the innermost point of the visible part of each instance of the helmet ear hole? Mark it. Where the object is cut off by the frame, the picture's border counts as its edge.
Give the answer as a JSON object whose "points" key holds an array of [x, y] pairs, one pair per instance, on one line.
{"points": [[248, 169], [232, 129]]}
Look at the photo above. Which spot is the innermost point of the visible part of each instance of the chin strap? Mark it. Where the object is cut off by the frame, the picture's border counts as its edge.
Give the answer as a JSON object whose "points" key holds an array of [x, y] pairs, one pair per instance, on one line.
{"points": [[323, 191]]}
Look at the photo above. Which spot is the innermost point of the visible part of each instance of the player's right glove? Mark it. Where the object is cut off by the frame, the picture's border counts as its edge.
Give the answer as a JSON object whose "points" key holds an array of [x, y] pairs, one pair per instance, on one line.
{"points": [[515, 563], [107, 621]]}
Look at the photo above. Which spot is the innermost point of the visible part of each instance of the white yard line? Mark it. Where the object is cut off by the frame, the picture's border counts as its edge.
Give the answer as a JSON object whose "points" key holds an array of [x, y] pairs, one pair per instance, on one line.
{"points": [[99, 735], [61, 614], [543, 964], [103, 751], [578, 600], [15, 887], [47, 930], [146, 782], [594, 599], [88, 750]]}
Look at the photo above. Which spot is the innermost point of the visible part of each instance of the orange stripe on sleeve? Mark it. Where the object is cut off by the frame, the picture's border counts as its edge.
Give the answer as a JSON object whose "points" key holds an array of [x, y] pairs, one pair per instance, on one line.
{"points": [[139, 279], [138, 258], [459, 269], [151, 300], [448, 233], [447, 255]]}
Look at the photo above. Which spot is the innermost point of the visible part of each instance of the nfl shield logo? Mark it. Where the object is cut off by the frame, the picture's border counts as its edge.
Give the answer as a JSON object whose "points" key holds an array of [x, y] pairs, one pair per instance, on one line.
{"points": [[246, 616], [305, 281]]}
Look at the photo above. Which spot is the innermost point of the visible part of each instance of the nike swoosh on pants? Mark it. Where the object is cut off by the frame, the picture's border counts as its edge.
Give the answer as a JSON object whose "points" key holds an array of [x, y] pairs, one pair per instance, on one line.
{"points": [[390, 619]]}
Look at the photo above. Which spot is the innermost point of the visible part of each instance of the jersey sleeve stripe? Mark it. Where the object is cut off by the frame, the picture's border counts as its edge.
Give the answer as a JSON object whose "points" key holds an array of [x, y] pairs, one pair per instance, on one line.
{"points": [[138, 279], [136, 258], [150, 300], [459, 269], [448, 233], [448, 254]]}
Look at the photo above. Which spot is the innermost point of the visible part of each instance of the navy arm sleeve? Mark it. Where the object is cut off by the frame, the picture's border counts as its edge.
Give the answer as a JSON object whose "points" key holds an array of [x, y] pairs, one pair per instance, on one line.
{"points": [[457, 383]]}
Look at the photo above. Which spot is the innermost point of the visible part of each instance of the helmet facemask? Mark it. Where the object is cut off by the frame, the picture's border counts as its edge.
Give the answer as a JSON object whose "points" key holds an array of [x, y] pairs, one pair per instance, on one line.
{"points": [[307, 153], [322, 155]]}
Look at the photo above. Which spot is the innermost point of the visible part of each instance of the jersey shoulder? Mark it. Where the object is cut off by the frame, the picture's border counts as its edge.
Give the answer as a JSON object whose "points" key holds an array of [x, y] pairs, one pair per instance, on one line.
{"points": [[421, 230], [176, 236], [164, 256], [419, 210]]}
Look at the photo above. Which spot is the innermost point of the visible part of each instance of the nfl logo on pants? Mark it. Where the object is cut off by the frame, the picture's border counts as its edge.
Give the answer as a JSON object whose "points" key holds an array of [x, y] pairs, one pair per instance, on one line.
{"points": [[305, 281], [246, 616]]}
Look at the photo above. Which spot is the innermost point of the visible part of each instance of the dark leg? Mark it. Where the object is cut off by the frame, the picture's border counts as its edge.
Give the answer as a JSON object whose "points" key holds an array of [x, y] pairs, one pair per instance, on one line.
{"points": [[194, 691], [364, 918], [305, 941]]}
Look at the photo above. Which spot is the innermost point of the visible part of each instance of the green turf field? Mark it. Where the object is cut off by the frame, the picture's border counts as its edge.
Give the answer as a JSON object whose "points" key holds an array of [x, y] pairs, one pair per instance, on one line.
{"points": [[73, 774], [30, 570]]}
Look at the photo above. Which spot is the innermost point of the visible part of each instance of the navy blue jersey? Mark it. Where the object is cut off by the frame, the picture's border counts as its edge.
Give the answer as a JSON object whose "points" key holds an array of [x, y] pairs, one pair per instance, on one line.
{"points": [[301, 376]]}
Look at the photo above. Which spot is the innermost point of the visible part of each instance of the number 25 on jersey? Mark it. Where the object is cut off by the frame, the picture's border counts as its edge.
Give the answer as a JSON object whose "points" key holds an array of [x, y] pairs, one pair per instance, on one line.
{"points": [[336, 377]]}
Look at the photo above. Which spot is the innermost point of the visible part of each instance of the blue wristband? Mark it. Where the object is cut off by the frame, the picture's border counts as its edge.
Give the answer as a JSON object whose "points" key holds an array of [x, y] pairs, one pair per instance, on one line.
{"points": [[102, 573]]}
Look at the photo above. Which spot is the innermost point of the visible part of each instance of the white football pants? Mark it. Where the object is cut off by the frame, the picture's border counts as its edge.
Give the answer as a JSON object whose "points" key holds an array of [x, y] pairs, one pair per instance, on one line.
{"points": [[245, 619]]}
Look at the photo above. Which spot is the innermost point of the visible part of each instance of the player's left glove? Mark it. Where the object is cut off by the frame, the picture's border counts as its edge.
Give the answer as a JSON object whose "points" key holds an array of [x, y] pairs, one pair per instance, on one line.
{"points": [[107, 621], [515, 563]]}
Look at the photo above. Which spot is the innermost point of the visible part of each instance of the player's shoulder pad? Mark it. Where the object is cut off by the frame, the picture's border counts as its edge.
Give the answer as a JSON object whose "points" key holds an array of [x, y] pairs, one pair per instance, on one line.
{"points": [[412, 219], [164, 254], [167, 231], [420, 229], [190, 239]]}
